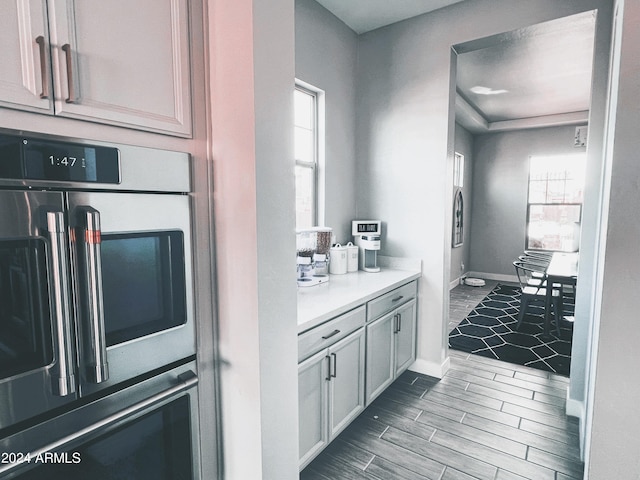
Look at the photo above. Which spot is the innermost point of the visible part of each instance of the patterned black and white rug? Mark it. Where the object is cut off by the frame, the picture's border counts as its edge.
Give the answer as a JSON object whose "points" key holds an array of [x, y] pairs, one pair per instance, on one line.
{"points": [[489, 330]]}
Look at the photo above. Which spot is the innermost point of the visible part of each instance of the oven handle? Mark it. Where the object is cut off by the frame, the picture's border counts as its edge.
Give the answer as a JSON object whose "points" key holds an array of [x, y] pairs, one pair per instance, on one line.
{"points": [[63, 381], [186, 381], [94, 343]]}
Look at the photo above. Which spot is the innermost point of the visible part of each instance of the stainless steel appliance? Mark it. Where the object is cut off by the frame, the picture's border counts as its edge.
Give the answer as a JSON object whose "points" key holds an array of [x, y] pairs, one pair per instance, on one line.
{"points": [[366, 234], [96, 284], [144, 431]]}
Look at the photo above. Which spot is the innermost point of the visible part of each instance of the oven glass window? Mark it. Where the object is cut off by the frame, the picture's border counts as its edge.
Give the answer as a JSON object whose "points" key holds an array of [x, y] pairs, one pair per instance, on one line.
{"points": [[155, 446], [25, 332], [143, 280]]}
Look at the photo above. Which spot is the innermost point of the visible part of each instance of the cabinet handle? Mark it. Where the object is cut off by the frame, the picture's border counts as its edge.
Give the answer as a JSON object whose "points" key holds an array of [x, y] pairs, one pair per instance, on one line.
{"points": [[335, 365], [398, 298], [399, 322], [43, 67], [395, 323], [335, 332], [328, 377], [71, 98]]}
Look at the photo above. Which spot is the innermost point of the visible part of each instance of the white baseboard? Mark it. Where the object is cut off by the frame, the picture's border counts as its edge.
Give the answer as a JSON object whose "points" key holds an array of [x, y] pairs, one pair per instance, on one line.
{"points": [[499, 277], [455, 282], [576, 408], [433, 369]]}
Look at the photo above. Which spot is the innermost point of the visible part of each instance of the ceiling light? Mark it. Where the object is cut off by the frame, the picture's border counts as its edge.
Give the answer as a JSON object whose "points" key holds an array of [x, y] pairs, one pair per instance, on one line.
{"points": [[486, 91]]}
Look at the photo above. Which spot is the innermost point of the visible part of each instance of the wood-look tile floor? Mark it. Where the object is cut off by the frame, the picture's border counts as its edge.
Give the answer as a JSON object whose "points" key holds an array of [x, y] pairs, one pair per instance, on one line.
{"points": [[485, 419]]}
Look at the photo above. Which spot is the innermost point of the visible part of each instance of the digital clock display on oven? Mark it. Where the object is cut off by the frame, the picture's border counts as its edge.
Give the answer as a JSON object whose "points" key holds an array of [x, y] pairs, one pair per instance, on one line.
{"points": [[70, 162]]}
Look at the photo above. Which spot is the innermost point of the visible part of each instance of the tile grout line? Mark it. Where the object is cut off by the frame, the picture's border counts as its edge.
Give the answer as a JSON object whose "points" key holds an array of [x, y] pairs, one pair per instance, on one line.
{"points": [[369, 463], [418, 416], [384, 431]]}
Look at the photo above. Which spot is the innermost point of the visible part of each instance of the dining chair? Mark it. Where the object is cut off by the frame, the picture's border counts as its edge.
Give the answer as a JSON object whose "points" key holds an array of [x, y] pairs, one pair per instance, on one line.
{"points": [[531, 290], [537, 267]]}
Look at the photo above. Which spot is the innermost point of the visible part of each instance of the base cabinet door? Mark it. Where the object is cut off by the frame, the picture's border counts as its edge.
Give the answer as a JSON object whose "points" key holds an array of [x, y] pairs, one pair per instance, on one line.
{"points": [[346, 388], [330, 393], [405, 337], [312, 406], [380, 355]]}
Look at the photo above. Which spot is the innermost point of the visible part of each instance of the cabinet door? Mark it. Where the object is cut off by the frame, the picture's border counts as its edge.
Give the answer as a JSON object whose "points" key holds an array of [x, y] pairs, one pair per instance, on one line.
{"points": [[405, 336], [346, 389], [313, 376], [25, 82], [380, 355], [122, 62]]}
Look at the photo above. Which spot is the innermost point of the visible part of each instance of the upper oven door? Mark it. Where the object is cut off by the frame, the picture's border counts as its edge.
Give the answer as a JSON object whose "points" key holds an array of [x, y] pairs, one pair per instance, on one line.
{"points": [[133, 284], [36, 338]]}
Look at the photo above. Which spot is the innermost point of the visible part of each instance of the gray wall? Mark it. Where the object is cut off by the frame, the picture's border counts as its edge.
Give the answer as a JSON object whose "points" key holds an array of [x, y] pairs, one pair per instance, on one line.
{"points": [[405, 150], [500, 189], [460, 255], [615, 442], [326, 57]]}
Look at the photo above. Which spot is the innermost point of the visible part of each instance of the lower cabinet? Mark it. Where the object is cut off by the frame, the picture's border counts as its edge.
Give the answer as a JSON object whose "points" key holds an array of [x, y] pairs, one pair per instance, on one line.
{"points": [[348, 361], [391, 348], [330, 393]]}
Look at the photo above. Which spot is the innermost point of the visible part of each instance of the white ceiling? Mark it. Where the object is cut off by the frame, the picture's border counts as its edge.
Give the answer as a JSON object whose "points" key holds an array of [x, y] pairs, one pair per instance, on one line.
{"points": [[539, 72], [535, 76], [365, 15]]}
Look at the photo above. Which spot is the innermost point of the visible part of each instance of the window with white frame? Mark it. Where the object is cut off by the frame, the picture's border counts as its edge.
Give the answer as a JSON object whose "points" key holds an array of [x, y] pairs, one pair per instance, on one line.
{"points": [[306, 137], [458, 170], [554, 209]]}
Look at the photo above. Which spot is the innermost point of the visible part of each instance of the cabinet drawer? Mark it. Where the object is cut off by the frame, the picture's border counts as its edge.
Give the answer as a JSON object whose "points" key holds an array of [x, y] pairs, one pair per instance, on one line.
{"points": [[387, 302], [328, 333]]}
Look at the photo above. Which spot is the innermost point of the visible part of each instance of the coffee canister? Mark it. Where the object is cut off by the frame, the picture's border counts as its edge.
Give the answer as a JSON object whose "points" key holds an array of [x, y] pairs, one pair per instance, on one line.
{"points": [[352, 257], [338, 262]]}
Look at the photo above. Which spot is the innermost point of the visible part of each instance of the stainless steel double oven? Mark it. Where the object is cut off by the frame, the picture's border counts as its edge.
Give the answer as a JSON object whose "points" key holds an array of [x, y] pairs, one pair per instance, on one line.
{"points": [[97, 337]]}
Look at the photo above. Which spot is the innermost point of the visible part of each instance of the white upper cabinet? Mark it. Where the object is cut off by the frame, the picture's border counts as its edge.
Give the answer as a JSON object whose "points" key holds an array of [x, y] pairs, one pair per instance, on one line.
{"points": [[25, 80], [117, 62]]}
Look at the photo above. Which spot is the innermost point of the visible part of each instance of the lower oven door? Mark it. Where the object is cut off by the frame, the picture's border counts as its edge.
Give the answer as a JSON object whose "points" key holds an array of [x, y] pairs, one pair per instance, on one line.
{"points": [[133, 284], [145, 431]]}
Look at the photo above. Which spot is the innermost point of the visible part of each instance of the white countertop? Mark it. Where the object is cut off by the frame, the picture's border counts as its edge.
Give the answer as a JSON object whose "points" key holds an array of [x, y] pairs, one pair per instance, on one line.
{"points": [[342, 293]]}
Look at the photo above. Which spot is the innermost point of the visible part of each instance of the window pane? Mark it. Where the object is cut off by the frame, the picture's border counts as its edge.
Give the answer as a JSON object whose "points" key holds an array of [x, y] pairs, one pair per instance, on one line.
{"points": [[554, 227], [555, 185], [555, 191], [304, 196], [304, 145], [458, 170], [574, 190], [303, 109], [538, 191]]}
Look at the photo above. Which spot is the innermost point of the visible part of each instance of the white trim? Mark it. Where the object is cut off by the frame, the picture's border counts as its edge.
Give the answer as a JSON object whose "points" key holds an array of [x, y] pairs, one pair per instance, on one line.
{"points": [[499, 277], [577, 408], [432, 369], [320, 161]]}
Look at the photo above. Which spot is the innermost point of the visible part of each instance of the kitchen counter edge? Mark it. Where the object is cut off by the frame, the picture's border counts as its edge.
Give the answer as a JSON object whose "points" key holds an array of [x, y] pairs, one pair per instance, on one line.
{"points": [[321, 303]]}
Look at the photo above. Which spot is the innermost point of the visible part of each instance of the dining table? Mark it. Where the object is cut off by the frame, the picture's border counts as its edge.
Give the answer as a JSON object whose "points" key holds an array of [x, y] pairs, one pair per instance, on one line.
{"points": [[563, 270]]}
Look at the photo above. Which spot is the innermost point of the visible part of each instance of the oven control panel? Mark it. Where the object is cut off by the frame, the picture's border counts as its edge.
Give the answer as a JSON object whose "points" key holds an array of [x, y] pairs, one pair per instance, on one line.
{"points": [[35, 159]]}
